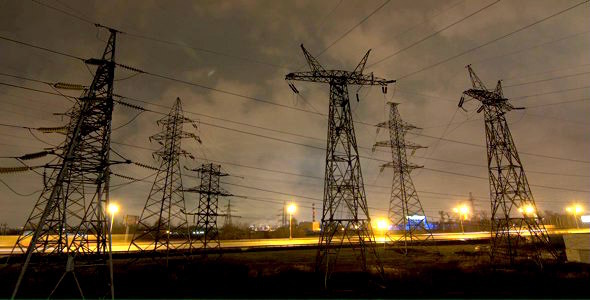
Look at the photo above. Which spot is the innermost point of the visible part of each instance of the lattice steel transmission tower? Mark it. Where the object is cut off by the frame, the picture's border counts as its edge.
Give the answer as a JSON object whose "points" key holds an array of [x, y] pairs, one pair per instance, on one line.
{"points": [[163, 224], [405, 210], [228, 213], [345, 215], [514, 212], [69, 217], [206, 231]]}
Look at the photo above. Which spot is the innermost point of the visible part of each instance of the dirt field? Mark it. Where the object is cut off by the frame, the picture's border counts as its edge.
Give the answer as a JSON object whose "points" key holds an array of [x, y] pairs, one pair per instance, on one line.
{"points": [[445, 271]]}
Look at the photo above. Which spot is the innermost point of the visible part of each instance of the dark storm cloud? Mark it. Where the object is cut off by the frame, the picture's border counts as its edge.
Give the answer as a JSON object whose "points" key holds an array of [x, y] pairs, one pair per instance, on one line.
{"points": [[268, 34]]}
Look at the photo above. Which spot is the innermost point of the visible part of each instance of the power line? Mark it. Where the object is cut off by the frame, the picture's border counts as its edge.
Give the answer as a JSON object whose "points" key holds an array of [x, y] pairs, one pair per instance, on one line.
{"points": [[481, 199], [18, 193], [520, 152], [232, 93], [428, 19], [262, 100], [326, 17], [41, 48], [485, 178], [34, 90], [560, 119], [433, 170], [547, 79], [490, 42], [557, 103], [354, 27], [433, 34], [548, 71], [317, 147], [321, 148], [531, 47], [550, 92], [163, 41]]}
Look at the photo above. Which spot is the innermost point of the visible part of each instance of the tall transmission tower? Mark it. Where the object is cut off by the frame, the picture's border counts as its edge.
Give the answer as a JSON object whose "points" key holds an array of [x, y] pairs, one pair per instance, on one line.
{"points": [[405, 210], [345, 215], [514, 212], [228, 212], [163, 223], [69, 216], [207, 233], [283, 215]]}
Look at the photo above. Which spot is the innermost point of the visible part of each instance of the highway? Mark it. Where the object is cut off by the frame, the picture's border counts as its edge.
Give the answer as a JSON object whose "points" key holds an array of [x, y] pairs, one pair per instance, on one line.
{"points": [[121, 245]]}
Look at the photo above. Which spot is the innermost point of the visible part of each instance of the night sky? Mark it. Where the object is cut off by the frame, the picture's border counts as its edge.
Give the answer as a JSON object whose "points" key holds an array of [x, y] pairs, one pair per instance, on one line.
{"points": [[247, 48]]}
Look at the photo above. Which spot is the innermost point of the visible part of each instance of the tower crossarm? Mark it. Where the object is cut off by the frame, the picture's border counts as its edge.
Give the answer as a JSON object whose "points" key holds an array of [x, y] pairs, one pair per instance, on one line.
{"points": [[338, 76], [407, 145], [319, 74], [404, 126], [404, 167], [205, 191]]}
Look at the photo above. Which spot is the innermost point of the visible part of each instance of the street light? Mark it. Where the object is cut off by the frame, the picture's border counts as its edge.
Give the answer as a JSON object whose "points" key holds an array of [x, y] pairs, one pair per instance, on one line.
{"points": [[382, 224], [291, 210], [575, 210], [113, 208], [528, 210], [463, 211]]}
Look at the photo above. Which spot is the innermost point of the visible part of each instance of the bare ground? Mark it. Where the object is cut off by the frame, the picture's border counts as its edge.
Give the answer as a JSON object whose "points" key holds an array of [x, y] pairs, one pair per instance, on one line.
{"points": [[450, 271]]}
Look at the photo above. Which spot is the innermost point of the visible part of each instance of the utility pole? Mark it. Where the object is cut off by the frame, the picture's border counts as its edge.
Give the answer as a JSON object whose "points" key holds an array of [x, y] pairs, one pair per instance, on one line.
{"points": [[163, 215], [513, 207], [207, 233], [405, 209], [69, 216], [343, 187]]}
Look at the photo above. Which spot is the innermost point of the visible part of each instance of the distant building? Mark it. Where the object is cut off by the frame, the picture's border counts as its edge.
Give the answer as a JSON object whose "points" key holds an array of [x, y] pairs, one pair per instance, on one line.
{"points": [[260, 227], [310, 226]]}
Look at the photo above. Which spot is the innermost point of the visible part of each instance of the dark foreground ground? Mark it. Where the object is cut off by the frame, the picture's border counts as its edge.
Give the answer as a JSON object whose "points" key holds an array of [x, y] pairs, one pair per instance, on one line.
{"points": [[457, 271]]}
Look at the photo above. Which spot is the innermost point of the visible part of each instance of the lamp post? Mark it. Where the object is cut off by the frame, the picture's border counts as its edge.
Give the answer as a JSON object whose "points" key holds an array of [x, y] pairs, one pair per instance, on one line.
{"points": [[291, 210], [575, 210], [528, 210], [382, 225], [113, 208], [462, 210]]}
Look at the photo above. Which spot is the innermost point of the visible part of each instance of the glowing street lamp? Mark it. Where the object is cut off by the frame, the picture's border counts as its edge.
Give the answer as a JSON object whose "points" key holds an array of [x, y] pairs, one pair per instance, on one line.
{"points": [[291, 210], [528, 210], [113, 208], [382, 224], [463, 211], [575, 210]]}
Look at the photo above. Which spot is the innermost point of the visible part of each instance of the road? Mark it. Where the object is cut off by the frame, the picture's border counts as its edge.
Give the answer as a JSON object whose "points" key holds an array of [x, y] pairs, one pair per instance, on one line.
{"points": [[120, 245]]}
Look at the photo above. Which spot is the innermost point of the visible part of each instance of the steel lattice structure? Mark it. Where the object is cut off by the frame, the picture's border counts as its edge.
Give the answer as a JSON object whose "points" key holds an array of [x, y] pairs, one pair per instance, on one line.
{"points": [[514, 212], [345, 215], [163, 223], [206, 231], [69, 216], [405, 210], [228, 214]]}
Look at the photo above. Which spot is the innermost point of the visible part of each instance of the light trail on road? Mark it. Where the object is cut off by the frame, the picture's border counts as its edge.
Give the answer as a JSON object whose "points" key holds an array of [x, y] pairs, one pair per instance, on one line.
{"points": [[120, 245]]}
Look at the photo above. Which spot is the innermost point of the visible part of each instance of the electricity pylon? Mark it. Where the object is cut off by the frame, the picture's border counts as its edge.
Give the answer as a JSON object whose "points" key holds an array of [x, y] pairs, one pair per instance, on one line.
{"points": [[69, 217], [405, 210], [206, 231], [228, 213], [514, 212], [163, 224], [345, 215]]}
